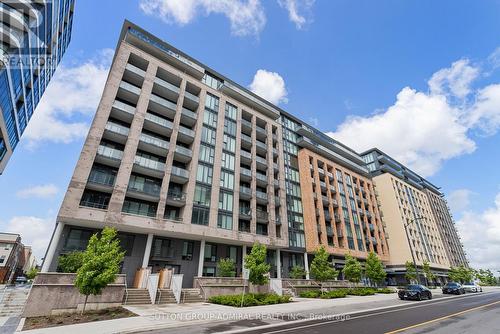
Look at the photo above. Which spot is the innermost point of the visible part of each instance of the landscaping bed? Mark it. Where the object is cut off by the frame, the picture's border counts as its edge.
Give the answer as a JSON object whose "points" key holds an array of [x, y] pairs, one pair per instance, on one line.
{"points": [[76, 318], [250, 299], [341, 293]]}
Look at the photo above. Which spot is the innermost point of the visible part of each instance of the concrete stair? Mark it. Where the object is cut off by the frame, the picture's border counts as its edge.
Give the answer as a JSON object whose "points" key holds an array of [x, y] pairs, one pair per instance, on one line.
{"points": [[288, 292], [136, 297], [12, 302], [187, 296]]}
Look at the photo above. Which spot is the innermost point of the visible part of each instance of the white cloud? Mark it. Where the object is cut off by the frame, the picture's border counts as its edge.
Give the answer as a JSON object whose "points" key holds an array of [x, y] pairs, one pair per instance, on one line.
{"points": [[246, 17], [480, 233], [270, 86], [298, 10], [459, 200], [72, 94], [424, 129], [494, 58], [34, 231], [41, 191]]}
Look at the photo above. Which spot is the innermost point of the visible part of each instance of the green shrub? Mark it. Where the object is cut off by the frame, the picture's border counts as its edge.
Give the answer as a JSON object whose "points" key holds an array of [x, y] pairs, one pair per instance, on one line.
{"points": [[310, 294], [386, 290], [361, 291], [338, 293], [250, 299]]}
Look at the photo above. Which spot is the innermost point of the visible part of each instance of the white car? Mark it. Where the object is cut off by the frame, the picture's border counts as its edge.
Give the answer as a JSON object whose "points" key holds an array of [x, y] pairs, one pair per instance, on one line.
{"points": [[472, 287]]}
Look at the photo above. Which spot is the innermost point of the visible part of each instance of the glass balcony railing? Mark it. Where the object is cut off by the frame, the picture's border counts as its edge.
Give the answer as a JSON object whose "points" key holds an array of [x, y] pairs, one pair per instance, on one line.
{"points": [[261, 195], [246, 138], [184, 151], [261, 145], [124, 107], [246, 172], [130, 88], [246, 154], [149, 163], [159, 120], [245, 211], [103, 177], [117, 128], [246, 190], [109, 152], [261, 160], [185, 131], [167, 85], [147, 188], [189, 113], [262, 215], [145, 138], [176, 195], [163, 102], [180, 172], [192, 97], [246, 123]]}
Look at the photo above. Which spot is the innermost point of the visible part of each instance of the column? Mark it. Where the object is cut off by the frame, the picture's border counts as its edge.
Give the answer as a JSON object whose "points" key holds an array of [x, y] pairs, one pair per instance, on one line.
{"points": [[52, 247], [243, 254], [202, 258], [306, 265], [147, 251], [278, 263]]}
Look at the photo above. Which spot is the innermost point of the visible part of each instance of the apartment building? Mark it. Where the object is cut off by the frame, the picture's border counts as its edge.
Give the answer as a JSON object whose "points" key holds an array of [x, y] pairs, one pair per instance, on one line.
{"points": [[408, 208], [12, 258], [340, 208], [35, 35]]}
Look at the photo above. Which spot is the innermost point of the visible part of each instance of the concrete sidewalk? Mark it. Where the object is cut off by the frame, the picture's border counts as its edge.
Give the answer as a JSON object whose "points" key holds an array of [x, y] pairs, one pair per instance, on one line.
{"points": [[153, 317]]}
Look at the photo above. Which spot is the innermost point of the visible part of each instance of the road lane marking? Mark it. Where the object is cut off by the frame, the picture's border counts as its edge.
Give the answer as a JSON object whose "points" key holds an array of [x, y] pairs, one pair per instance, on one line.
{"points": [[442, 318], [439, 301]]}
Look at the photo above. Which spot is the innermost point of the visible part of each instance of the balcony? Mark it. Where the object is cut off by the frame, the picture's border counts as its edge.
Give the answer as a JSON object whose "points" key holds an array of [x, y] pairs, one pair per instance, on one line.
{"points": [[158, 124], [261, 147], [337, 218], [101, 179], [148, 166], [153, 144], [144, 191], [371, 227], [275, 166], [261, 196], [329, 231], [191, 101], [275, 152], [245, 213], [162, 106], [276, 183], [261, 178], [122, 111], [277, 201], [134, 74], [335, 203], [179, 175], [176, 198], [322, 184], [116, 132], [340, 234], [246, 125], [325, 199], [245, 174], [109, 156], [246, 141], [245, 193], [328, 217], [188, 117], [261, 161], [374, 241], [185, 135], [262, 216], [166, 89], [182, 154], [368, 214], [261, 133], [128, 91], [246, 156]]}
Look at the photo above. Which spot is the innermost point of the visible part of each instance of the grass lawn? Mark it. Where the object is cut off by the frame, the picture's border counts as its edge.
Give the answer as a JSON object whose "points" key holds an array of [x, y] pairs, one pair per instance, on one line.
{"points": [[77, 318]]}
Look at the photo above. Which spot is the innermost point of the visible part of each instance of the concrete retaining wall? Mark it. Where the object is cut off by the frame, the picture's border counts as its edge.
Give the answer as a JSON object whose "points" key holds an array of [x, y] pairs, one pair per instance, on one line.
{"points": [[55, 293], [216, 286]]}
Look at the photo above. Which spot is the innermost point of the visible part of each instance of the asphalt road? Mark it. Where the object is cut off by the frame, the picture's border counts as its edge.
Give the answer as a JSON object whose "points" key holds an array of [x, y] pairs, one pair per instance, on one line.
{"points": [[455, 315]]}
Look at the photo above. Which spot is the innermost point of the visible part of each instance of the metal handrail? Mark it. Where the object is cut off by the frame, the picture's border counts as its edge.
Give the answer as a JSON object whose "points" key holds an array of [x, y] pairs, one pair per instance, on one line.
{"points": [[126, 290], [202, 291]]}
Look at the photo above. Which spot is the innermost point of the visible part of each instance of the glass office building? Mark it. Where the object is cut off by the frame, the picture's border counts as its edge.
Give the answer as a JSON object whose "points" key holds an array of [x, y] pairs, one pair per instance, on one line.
{"points": [[33, 38]]}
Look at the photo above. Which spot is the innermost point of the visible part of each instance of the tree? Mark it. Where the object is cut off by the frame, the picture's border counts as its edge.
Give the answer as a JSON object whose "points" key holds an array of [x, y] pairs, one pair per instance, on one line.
{"points": [[374, 269], [297, 272], [486, 277], [226, 268], [256, 263], [429, 275], [411, 272], [31, 274], [70, 262], [322, 269], [100, 263], [352, 269], [461, 274]]}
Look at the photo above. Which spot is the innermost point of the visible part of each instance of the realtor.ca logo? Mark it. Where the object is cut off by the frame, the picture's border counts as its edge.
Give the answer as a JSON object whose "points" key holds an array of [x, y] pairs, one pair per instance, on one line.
{"points": [[21, 26]]}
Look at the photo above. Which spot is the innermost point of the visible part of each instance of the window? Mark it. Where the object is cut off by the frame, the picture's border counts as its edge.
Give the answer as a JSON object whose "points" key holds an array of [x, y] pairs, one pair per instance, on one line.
{"points": [[187, 250], [230, 127], [2, 258], [229, 143], [227, 161], [225, 221], [227, 180], [207, 154], [202, 195], [226, 201], [232, 253], [200, 216], [204, 174], [231, 111], [212, 81], [208, 136], [95, 199], [138, 207], [210, 118], [209, 271], [77, 239], [126, 243], [162, 248], [212, 102], [210, 253]]}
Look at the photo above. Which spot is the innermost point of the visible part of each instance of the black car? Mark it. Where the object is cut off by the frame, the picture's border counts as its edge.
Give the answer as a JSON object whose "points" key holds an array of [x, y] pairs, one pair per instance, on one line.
{"points": [[415, 292], [453, 288]]}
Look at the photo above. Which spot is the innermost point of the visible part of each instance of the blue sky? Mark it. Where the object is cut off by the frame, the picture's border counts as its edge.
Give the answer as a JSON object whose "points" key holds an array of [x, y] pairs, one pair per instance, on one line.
{"points": [[419, 79]]}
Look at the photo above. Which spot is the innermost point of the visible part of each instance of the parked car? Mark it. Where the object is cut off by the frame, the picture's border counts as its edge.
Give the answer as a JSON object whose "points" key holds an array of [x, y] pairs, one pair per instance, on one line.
{"points": [[415, 292], [472, 287], [21, 280], [453, 288]]}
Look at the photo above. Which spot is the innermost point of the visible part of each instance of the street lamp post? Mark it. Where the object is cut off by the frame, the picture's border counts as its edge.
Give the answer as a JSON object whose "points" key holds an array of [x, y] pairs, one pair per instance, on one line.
{"points": [[411, 248]]}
